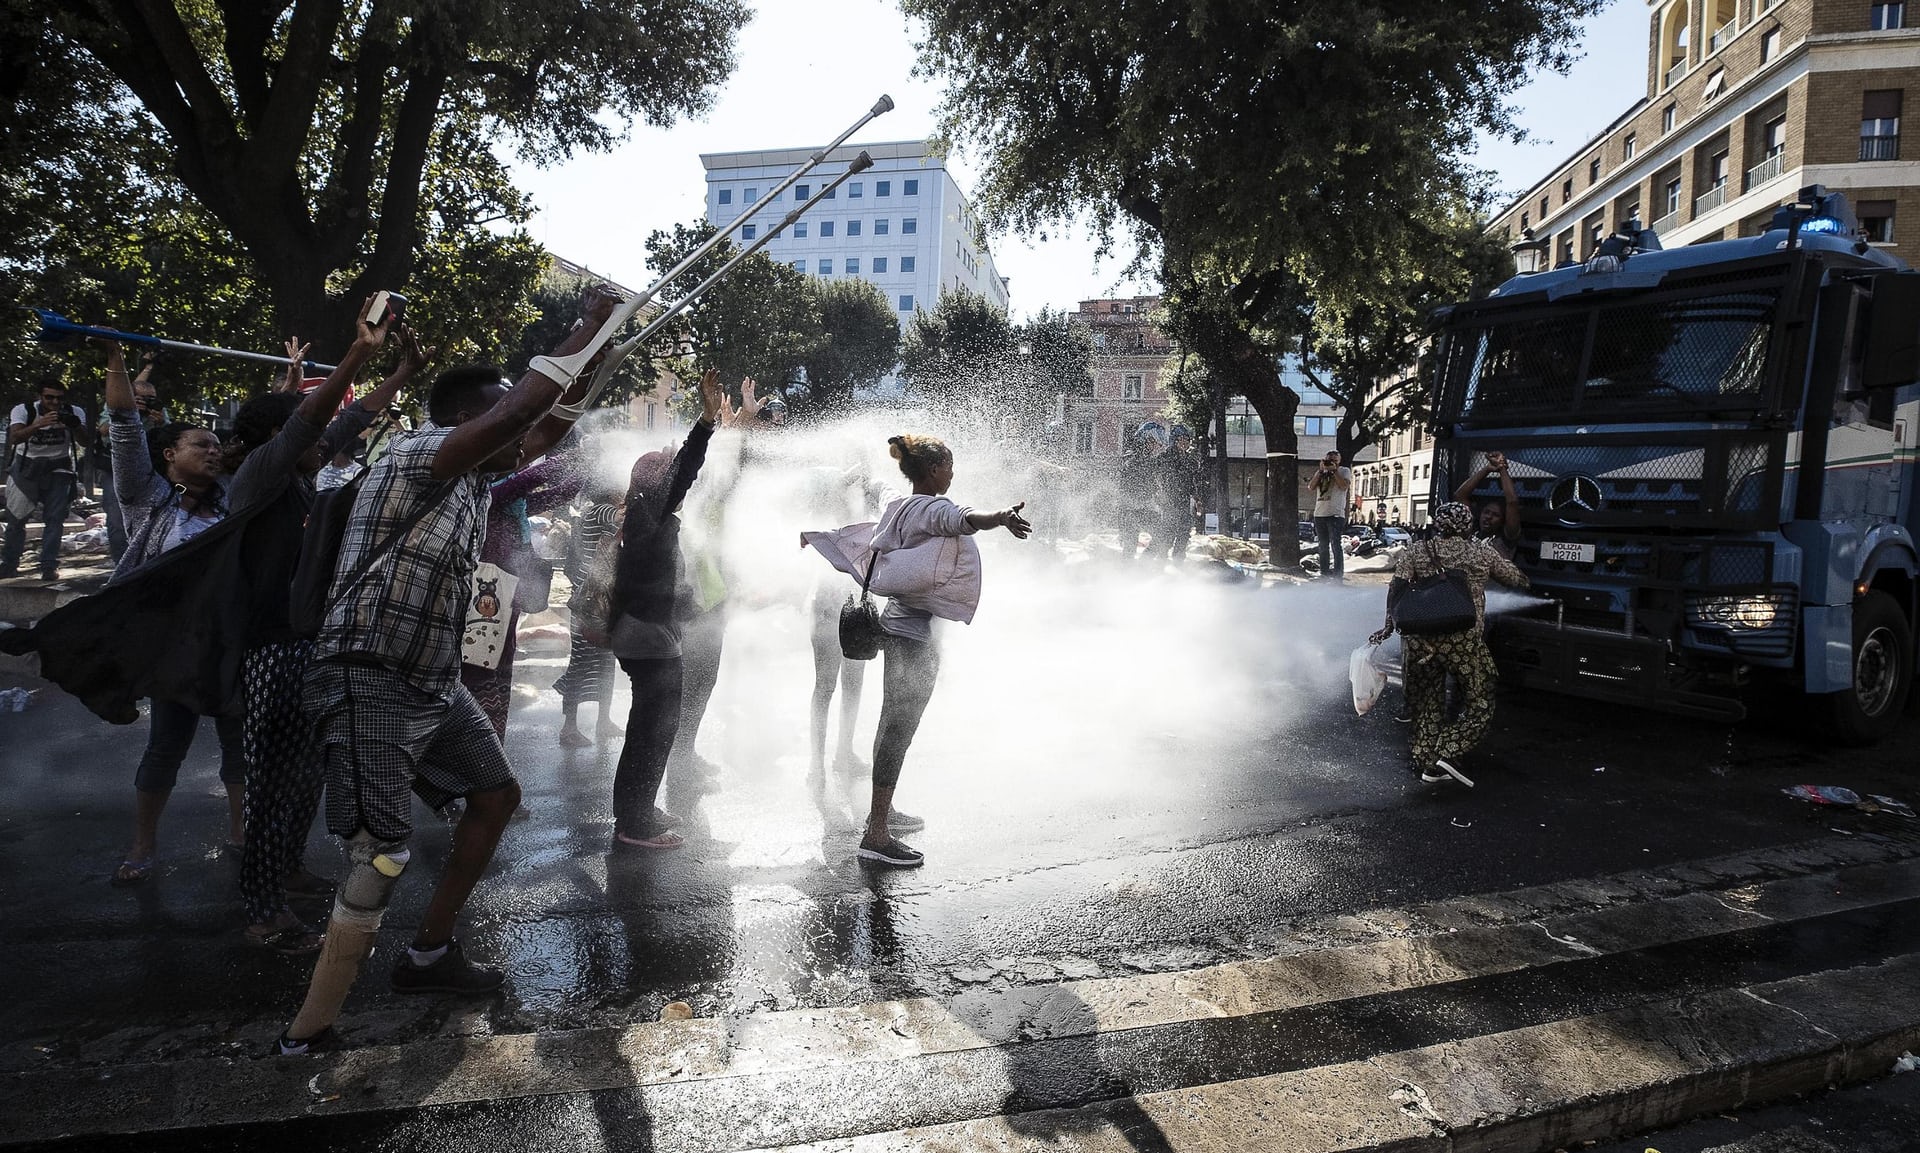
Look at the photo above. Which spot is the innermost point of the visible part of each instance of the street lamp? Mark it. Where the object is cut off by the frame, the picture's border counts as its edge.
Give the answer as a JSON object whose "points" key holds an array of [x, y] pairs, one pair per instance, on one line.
{"points": [[1533, 252]]}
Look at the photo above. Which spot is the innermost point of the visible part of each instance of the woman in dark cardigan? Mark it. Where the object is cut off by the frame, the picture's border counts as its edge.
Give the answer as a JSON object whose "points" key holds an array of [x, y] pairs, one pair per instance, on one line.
{"points": [[650, 598]]}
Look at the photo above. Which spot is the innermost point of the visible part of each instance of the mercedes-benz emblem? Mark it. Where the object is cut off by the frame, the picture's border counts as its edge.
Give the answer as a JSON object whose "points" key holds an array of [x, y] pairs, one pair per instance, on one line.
{"points": [[1573, 496]]}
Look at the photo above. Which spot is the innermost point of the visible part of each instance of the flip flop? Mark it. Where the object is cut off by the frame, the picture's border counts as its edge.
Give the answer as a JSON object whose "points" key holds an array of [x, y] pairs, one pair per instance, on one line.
{"points": [[131, 872]]}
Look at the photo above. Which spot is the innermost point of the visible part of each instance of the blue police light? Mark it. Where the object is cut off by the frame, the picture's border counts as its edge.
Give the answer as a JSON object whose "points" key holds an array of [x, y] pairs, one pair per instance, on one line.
{"points": [[1815, 210]]}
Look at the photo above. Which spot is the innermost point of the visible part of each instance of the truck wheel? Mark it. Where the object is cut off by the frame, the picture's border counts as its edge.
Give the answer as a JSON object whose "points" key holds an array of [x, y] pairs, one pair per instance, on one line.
{"points": [[1882, 672]]}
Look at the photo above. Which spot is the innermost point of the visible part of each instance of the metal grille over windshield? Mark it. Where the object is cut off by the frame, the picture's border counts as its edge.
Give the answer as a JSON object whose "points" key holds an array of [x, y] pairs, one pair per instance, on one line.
{"points": [[1673, 355]]}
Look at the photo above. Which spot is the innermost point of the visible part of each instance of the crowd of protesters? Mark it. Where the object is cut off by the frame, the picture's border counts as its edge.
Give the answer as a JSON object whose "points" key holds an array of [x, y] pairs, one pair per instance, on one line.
{"points": [[395, 678]]}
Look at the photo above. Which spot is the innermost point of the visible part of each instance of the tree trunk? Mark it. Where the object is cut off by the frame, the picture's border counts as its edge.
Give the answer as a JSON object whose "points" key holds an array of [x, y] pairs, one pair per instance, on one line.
{"points": [[1276, 405]]}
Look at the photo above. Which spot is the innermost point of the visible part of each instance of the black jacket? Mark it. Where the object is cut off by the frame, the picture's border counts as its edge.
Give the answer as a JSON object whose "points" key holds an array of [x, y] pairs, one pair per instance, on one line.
{"points": [[647, 576]]}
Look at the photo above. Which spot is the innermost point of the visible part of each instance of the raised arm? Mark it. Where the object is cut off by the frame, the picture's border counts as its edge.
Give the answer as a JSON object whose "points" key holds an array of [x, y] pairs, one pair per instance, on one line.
{"points": [[296, 365], [413, 361], [528, 403], [119, 391], [318, 406]]}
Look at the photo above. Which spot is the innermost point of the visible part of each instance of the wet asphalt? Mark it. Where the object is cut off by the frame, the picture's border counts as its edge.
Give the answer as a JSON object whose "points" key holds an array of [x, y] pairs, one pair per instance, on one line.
{"points": [[1098, 804]]}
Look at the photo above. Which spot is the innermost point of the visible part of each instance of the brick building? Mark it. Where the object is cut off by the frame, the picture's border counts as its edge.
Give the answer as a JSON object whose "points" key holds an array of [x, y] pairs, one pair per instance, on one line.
{"points": [[1129, 350], [1746, 102]]}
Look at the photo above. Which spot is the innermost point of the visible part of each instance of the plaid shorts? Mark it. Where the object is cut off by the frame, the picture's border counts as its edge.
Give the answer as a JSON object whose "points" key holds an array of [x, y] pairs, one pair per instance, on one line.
{"points": [[383, 737]]}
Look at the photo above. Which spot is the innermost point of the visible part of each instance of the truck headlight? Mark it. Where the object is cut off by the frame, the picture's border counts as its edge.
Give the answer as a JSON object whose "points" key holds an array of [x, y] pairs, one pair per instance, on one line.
{"points": [[1758, 611]]}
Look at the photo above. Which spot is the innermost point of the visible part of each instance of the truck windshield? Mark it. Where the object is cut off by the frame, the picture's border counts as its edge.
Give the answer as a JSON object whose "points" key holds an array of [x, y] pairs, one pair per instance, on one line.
{"points": [[1617, 359]]}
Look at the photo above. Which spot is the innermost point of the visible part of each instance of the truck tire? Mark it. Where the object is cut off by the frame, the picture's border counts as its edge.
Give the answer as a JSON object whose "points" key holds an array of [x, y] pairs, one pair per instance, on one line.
{"points": [[1882, 673]]}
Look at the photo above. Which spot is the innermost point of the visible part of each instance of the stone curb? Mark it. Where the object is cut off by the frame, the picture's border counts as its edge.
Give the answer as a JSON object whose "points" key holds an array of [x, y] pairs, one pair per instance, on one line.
{"points": [[446, 1070], [1527, 1091]]}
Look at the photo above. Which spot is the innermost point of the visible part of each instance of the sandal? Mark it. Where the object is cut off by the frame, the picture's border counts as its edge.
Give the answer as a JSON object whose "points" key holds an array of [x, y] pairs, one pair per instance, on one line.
{"points": [[293, 941], [132, 872]]}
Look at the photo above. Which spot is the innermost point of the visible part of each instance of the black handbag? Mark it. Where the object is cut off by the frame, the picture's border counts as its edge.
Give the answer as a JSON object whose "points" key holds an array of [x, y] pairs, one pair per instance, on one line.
{"points": [[860, 630], [1436, 605]]}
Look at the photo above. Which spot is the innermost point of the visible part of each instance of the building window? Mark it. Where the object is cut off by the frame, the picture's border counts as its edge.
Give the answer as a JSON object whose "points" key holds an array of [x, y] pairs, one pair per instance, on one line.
{"points": [[1626, 147], [651, 409], [1667, 117], [750, 195], [1566, 191], [853, 228], [829, 192], [1546, 206], [1130, 386], [826, 267], [1880, 125], [906, 303], [1886, 17], [910, 188], [799, 266], [879, 264], [1876, 220], [853, 266], [802, 191], [856, 190], [1773, 137], [726, 196], [826, 229], [1526, 222], [1595, 234], [1593, 171], [880, 227], [1716, 84], [909, 225], [1769, 44], [1717, 169], [883, 188], [749, 231], [799, 230], [1673, 195], [906, 264]]}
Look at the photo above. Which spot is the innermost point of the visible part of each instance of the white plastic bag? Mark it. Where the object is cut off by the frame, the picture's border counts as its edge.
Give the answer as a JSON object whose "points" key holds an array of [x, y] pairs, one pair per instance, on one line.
{"points": [[1369, 679]]}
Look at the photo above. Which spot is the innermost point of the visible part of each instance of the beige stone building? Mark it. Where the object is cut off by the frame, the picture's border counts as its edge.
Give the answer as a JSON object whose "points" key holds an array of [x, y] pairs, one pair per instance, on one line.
{"points": [[1746, 102], [1129, 350]]}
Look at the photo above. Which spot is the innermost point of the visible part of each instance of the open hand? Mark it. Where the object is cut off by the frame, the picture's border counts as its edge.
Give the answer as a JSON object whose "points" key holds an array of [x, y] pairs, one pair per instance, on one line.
{"points": [[413, 358], [750, 402], [713, 398], [1017, 524]]}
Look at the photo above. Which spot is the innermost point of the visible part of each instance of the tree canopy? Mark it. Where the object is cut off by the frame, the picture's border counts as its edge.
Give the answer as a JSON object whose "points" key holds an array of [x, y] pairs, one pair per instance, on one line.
{"points": [[861, 341], [1266, 157], [762, 320], [343, 147]]}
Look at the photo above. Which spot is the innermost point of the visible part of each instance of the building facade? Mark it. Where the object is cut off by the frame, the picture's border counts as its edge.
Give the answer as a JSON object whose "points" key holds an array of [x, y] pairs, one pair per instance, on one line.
{"points": [[903, 225], [1129, 354], [1745, 103]]}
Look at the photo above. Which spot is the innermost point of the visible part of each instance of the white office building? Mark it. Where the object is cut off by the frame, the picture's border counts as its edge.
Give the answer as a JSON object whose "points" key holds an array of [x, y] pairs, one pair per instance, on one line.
{"points": [[902, 224]]}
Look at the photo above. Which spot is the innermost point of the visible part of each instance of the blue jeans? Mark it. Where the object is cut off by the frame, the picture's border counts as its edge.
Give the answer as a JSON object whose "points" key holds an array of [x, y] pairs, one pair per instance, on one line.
{"points": [[1326, 536], [54, 490]]}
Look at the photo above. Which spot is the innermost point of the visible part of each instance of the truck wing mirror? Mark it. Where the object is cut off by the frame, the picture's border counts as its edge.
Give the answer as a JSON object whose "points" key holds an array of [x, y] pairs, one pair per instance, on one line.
{"points": [[1893, 332]]}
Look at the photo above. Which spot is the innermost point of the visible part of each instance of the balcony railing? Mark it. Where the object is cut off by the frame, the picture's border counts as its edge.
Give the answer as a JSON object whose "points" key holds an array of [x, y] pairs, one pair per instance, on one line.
{"points": [[1720, 37], [1709, 200], [1879, 148], [1766, 170], [1667, 223], [1675, 73]]}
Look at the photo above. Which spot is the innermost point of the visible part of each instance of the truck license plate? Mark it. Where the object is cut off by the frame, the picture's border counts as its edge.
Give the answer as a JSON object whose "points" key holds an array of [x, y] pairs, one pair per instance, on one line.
{"points": [[1566, 551]]}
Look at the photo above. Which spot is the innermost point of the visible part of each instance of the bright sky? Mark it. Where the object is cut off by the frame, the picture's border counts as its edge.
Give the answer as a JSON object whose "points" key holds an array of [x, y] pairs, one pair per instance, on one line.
{"points": [[809, 68]]}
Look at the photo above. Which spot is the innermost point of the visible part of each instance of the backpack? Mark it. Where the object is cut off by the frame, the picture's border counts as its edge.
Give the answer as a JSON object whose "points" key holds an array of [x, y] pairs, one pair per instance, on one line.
{"points": [[308, 602]]}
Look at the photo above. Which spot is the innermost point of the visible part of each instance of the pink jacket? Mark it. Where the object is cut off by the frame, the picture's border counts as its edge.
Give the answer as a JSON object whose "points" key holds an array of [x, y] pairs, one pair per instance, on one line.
{"points": [[926, 559]]}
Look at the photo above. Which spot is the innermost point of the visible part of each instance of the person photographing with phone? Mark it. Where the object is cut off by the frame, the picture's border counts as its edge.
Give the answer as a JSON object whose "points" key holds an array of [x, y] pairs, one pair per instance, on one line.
{"points": [[1331, 484], [41, 436]]}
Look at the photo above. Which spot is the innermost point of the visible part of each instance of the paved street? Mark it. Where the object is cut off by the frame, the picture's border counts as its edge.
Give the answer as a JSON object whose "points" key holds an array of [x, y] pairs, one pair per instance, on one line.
{"points": [[1112, 803]]}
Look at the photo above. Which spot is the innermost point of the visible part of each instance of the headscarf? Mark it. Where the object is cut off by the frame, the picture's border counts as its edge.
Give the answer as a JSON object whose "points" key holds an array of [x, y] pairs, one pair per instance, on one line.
{"points": [[1453, 519]]}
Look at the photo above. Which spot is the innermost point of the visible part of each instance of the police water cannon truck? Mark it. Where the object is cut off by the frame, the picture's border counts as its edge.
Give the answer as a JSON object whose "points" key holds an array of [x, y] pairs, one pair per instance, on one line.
{"points": [[1714, 450]]}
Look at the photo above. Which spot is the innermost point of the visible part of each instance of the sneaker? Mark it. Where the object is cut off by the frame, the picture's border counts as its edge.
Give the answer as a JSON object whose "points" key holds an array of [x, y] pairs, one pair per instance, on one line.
{"points": [[900, 822], [452, 973], [1446, 770], [895, 854], [320, 1042]]}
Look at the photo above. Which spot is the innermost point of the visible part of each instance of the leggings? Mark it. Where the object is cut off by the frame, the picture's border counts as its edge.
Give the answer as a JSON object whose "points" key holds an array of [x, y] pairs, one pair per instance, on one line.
{"points": [[911, 667], [170, 732], [283, 777], [652, 723], [701, 642], [830, 667]]}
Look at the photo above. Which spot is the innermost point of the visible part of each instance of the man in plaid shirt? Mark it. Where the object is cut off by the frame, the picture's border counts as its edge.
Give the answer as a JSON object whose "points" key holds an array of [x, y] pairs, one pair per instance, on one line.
{"points": [[392, 717]]}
